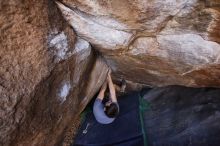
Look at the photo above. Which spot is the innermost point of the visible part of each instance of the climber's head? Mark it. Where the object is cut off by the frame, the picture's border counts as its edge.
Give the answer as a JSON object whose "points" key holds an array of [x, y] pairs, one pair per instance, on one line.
{"points": [[111, 109]]}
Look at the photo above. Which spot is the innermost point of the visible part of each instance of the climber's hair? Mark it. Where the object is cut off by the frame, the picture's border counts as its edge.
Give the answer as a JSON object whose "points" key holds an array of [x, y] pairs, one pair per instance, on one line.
{"points": [[112, 110]]}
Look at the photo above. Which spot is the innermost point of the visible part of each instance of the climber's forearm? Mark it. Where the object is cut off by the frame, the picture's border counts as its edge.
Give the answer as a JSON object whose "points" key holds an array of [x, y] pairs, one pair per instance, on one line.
{"points": [[112, 89], [102, 91], [101, 95], [113, 94]]}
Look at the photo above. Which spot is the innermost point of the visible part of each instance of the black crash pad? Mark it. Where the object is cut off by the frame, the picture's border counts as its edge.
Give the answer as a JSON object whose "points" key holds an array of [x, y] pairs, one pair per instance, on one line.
{"points": [[124, 131]]}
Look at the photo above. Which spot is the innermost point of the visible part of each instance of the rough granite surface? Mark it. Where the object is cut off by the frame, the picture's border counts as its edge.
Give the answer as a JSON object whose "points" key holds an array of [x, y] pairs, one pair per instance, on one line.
{"points": [[54, 57]]}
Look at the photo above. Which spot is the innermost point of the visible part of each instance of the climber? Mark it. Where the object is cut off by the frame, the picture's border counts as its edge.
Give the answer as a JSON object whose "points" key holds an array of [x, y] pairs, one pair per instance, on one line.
{"points": [[105, 111]]}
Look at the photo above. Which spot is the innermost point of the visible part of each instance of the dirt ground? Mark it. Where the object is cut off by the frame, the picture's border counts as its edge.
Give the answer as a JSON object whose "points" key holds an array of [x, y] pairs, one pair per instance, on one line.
{"points": [[69, 138]]}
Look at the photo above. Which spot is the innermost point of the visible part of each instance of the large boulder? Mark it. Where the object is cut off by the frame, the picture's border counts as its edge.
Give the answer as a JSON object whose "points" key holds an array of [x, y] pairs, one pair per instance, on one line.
{"points": [[47, 74], [182, 116], [153, 42], [49, 71]]}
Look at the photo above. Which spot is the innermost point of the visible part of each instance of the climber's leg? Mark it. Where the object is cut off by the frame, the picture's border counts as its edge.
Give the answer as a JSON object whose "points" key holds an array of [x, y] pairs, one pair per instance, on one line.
{"points": [[122, 87]]}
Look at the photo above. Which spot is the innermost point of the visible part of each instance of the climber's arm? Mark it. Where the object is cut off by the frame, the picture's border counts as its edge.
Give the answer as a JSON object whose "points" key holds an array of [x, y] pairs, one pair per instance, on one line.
{"points": [[111, 88], [102, 91]]}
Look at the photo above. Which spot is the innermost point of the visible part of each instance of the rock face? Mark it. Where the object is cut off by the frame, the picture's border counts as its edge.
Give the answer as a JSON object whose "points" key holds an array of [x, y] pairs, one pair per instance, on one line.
{"points": [[47, 74], [49, 71], [183, 116], [153, 42]]}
